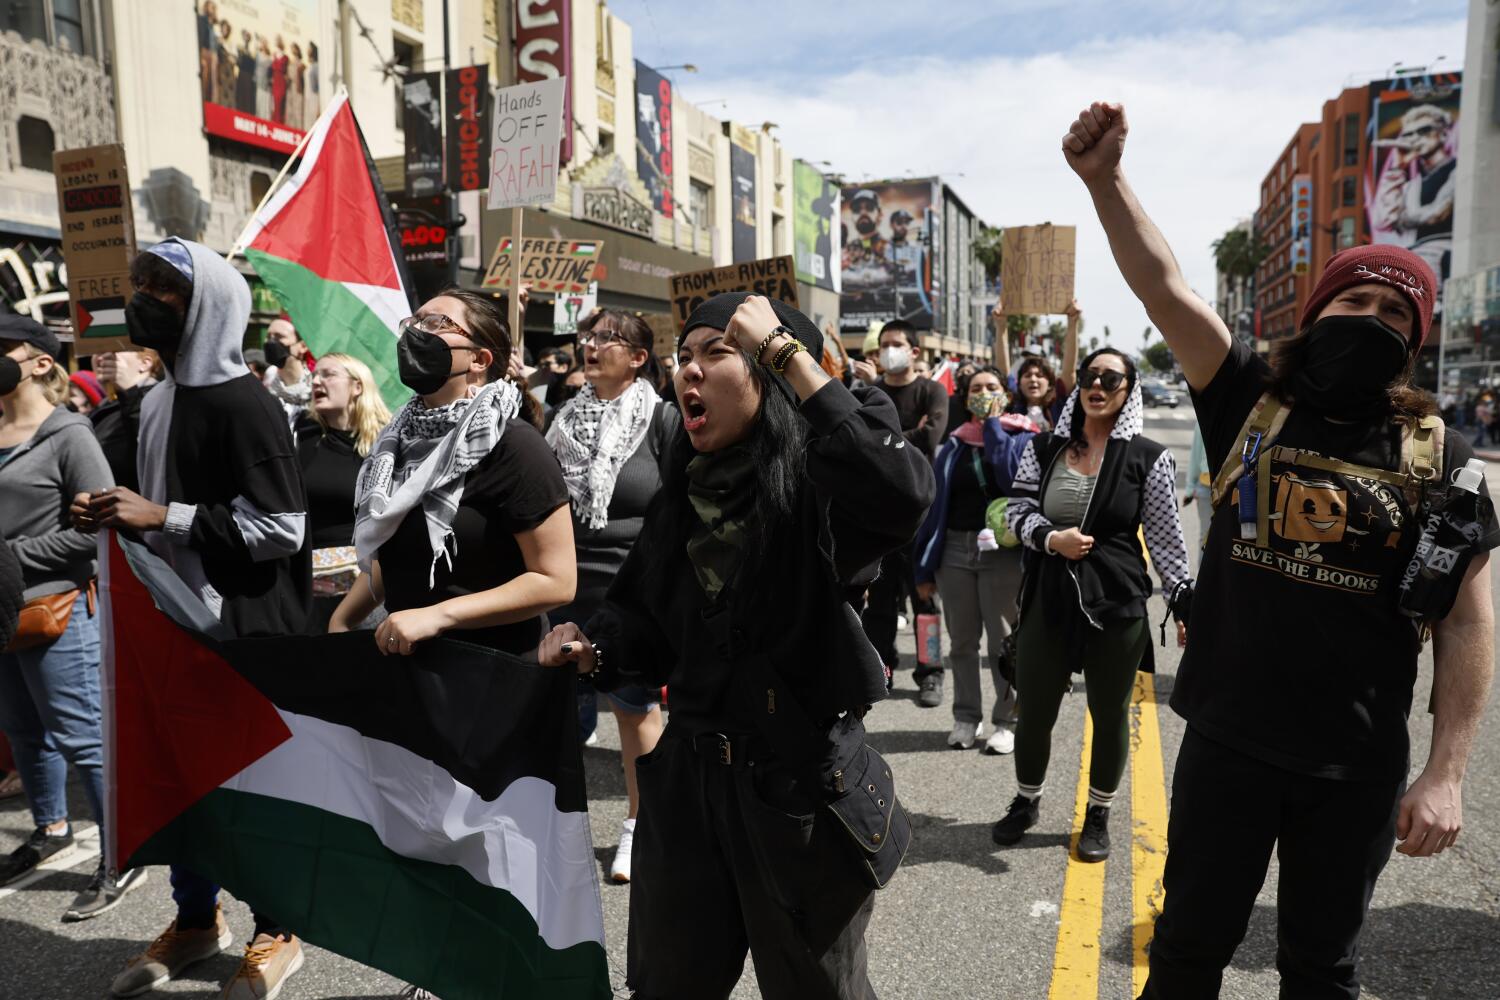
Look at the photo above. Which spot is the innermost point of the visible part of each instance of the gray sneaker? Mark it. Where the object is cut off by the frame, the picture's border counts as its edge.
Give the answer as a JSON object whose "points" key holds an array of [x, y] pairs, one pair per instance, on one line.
{"points": [[930, 691], [963, 735], [104, 893]]}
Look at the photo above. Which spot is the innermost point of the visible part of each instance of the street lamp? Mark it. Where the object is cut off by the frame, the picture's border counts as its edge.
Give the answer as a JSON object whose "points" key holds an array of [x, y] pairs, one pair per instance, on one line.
{"points": [[685, 67]]}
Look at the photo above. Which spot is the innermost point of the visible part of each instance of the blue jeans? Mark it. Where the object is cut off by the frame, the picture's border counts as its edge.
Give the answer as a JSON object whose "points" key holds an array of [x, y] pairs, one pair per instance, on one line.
{"points": [[49, 710]]}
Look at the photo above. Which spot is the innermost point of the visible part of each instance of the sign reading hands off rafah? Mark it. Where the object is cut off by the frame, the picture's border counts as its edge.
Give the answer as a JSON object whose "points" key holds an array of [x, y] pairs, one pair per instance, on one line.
{"points": [[1036, 270]]}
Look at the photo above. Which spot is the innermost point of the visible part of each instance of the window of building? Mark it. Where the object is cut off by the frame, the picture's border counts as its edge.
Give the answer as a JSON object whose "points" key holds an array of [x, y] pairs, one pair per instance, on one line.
{"points": [[70, 26], [1294, 157], [408, 56], [701, 204], [1351, 140], [69, 20], [1346, 233], [27, 18], [606, 142], [36, 141], [260, 183], [1348, 194]]}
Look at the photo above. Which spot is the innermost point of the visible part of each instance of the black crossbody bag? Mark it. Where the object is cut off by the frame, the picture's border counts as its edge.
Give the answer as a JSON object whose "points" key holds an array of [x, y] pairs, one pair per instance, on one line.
{"points": [[855, 782]]}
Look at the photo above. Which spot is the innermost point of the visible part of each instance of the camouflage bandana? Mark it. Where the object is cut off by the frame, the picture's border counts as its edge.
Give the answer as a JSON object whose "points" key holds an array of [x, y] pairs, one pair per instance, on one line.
{"points": [[721, 488]]}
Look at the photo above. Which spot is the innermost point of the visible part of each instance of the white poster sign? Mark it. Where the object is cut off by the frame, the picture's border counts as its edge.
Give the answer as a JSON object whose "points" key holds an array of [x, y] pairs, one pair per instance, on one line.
{"points": [[523, 150]]}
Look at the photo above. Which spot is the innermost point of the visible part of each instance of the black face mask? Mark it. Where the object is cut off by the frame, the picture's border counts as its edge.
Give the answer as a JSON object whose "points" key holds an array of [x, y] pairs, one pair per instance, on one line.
{"points": [[1350, 364], [153, 323], [424, 361], [276, 353], [10, 375]]}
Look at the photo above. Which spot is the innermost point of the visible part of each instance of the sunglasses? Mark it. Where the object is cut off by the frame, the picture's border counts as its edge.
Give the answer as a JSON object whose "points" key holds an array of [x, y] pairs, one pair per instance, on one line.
{"points": [[1109, 381]]}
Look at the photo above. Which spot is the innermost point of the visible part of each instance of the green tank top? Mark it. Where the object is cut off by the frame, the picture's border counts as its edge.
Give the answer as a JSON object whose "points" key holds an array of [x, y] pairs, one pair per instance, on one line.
{"points": [[1067, 496]]}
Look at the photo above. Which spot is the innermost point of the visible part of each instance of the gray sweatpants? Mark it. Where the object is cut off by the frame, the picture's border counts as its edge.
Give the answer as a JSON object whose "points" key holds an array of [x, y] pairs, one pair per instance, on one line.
{"points": [[979, 591]]}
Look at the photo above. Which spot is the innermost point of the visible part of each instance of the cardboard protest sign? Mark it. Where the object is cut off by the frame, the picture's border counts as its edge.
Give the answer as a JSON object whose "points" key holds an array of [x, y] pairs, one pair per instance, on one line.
{"points": [[98, 243], [1036, 269], [664, 331], [571, 307], [775, 277], [546, 265], [523, 147]]}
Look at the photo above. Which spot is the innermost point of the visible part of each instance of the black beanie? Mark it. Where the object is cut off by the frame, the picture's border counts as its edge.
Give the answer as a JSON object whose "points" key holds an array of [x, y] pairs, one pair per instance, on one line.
{"points": [[719, 310]]}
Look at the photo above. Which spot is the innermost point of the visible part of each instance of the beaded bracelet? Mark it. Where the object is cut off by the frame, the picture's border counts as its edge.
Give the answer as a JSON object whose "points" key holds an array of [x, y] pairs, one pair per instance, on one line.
{"points": [[785, 355], [775, 334]]}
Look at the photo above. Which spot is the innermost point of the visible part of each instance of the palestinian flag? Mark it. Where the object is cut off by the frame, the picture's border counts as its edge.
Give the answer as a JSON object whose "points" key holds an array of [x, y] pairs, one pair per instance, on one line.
{"points": [[423, 815], [102, 317], [327, 244]]}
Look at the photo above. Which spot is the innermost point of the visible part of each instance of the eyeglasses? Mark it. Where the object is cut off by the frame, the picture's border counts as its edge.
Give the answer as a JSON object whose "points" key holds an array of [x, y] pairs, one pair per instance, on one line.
{"points": [[1109, 381], [432, 323], [599, 338]]}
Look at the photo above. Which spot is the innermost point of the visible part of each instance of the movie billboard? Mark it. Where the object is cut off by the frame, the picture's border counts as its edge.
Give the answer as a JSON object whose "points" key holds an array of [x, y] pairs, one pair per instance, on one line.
{"points": [[815, 219], [653, 135], [468, 127], [1410, 175], [886, 231], [742, 193], [259, 71]]}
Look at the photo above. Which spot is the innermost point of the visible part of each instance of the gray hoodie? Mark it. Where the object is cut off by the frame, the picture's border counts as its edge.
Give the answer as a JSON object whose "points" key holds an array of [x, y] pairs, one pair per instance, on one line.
{"points": [[37, 485], [215, 449]]}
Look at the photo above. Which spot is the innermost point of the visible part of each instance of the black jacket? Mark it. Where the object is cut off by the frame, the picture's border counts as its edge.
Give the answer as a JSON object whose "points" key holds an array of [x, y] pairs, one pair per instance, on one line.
{"points": [[117, 426], [11, 586], [866, 491], [1136, 489]]}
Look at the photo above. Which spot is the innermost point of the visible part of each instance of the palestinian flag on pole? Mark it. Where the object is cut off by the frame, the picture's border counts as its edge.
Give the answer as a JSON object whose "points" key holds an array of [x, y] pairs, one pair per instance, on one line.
{"points": [[326, 243], [424, 815]]}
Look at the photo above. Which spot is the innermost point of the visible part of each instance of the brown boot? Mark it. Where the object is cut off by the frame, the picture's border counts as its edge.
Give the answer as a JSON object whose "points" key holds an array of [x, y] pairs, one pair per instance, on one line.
{"points": [[169, 955], [269, 962]]}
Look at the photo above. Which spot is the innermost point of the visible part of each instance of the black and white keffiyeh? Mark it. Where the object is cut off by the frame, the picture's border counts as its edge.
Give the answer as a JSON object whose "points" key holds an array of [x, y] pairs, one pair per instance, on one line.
{"points": [[422, 458], [593, 439]]}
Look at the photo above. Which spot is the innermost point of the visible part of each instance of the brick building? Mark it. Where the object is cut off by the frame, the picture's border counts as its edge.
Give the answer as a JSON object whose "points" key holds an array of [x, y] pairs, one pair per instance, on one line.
{"points": [[1322, 166]]}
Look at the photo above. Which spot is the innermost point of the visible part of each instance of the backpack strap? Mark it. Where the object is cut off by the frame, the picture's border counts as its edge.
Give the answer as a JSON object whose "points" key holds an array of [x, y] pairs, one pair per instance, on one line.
{"points": [[1263, 423], [1422, 457]]}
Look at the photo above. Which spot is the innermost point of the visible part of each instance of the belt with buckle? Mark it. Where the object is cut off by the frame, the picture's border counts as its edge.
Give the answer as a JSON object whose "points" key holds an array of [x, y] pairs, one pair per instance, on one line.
{"points": [[723, 748]]}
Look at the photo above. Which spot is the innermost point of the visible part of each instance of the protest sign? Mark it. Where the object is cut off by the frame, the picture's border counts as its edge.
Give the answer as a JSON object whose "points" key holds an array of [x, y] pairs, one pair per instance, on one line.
{"points": [[570, 307], [663, 334], [523, 146], [98, 243], [775, 277], [546, 265], [1036, 270]]}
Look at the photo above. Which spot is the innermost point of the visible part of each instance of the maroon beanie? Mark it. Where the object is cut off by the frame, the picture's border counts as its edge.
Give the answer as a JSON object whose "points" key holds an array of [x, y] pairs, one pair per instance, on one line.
{"points": [[1378, 264], [89, 383]]}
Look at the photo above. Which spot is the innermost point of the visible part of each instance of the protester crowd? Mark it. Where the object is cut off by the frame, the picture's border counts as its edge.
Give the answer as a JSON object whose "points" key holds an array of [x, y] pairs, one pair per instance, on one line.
{"points": [[725, 543]]}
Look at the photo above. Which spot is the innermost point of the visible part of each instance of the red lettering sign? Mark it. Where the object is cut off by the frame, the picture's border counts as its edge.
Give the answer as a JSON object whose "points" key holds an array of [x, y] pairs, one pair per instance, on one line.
{"points": [[543, 30]]}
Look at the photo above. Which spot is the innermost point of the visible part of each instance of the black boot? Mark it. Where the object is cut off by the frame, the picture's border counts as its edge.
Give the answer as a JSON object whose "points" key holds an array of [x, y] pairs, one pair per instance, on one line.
{"points": [[1093, 842], [1020, 817]]}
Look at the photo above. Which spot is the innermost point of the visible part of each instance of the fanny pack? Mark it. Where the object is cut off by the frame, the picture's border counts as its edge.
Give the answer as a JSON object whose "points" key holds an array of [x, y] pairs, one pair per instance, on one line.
{"points": [[857, 785], [44, 619]]}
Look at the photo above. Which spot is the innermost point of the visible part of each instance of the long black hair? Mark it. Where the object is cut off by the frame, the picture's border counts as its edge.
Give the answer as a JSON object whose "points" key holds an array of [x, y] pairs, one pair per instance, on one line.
{"points": [[488, 325], [778, 443], [1077, 441]]}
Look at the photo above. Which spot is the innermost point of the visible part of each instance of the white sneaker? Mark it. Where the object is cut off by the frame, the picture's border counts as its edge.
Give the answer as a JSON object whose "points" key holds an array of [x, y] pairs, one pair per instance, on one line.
{"points": [[963, 735], [619, 869], [1001, 741], [901, 623], [593, 739]]}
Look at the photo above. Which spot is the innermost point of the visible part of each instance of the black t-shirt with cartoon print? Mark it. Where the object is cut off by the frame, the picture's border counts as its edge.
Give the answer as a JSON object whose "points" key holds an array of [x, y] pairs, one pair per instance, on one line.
{"points": [[1297, 654]]}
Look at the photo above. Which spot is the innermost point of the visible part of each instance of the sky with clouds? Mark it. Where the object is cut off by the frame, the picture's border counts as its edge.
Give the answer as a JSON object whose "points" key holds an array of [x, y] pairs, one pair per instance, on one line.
{"points": [[1214, 91]]}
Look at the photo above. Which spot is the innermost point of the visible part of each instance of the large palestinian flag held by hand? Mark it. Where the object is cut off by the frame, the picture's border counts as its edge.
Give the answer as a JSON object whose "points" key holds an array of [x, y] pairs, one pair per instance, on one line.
{"points": [[423, 815], [327, 244]]}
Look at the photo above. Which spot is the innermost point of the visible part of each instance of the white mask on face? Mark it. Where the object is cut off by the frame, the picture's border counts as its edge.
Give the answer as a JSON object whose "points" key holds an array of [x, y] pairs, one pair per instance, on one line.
{"points": [[895, 359]]}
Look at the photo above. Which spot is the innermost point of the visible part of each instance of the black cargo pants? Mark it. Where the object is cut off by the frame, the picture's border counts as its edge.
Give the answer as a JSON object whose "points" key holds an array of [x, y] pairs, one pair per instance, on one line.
{"points": [[730, 856]]}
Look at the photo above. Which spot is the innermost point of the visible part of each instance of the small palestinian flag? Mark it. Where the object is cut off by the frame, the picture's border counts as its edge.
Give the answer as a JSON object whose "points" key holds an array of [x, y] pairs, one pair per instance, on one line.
{"points": [[423, 815], [98, 318], [327, 244]]}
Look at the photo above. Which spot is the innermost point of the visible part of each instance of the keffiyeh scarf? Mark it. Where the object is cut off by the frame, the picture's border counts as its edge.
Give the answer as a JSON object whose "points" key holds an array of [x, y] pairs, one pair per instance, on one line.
{"points": [[422, 458], [594, 438]]}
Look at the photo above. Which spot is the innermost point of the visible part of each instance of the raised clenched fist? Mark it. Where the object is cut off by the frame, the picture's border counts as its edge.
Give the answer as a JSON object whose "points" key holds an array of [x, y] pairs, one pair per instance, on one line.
{"points": [[1096, 141]]}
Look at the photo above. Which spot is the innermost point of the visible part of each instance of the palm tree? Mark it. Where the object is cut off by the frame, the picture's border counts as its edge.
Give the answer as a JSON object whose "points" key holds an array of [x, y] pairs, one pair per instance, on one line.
{"points": [[1237, 254]]}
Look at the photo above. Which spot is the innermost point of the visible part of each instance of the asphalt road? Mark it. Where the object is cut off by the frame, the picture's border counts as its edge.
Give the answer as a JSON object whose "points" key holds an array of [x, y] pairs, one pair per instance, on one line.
{"points": [[963, 918]]}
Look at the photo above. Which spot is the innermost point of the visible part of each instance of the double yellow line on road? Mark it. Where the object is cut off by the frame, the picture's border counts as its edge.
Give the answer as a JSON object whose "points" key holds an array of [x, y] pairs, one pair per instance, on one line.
{"points": [[1075, 964]]}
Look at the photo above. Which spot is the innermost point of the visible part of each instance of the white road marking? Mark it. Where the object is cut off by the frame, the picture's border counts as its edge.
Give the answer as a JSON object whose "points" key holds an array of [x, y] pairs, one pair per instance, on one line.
{"points": [[1043, 908]]}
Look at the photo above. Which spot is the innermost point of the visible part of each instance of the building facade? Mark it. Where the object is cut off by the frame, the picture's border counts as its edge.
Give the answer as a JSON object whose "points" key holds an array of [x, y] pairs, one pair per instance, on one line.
{"points": [[1470, 358]]}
